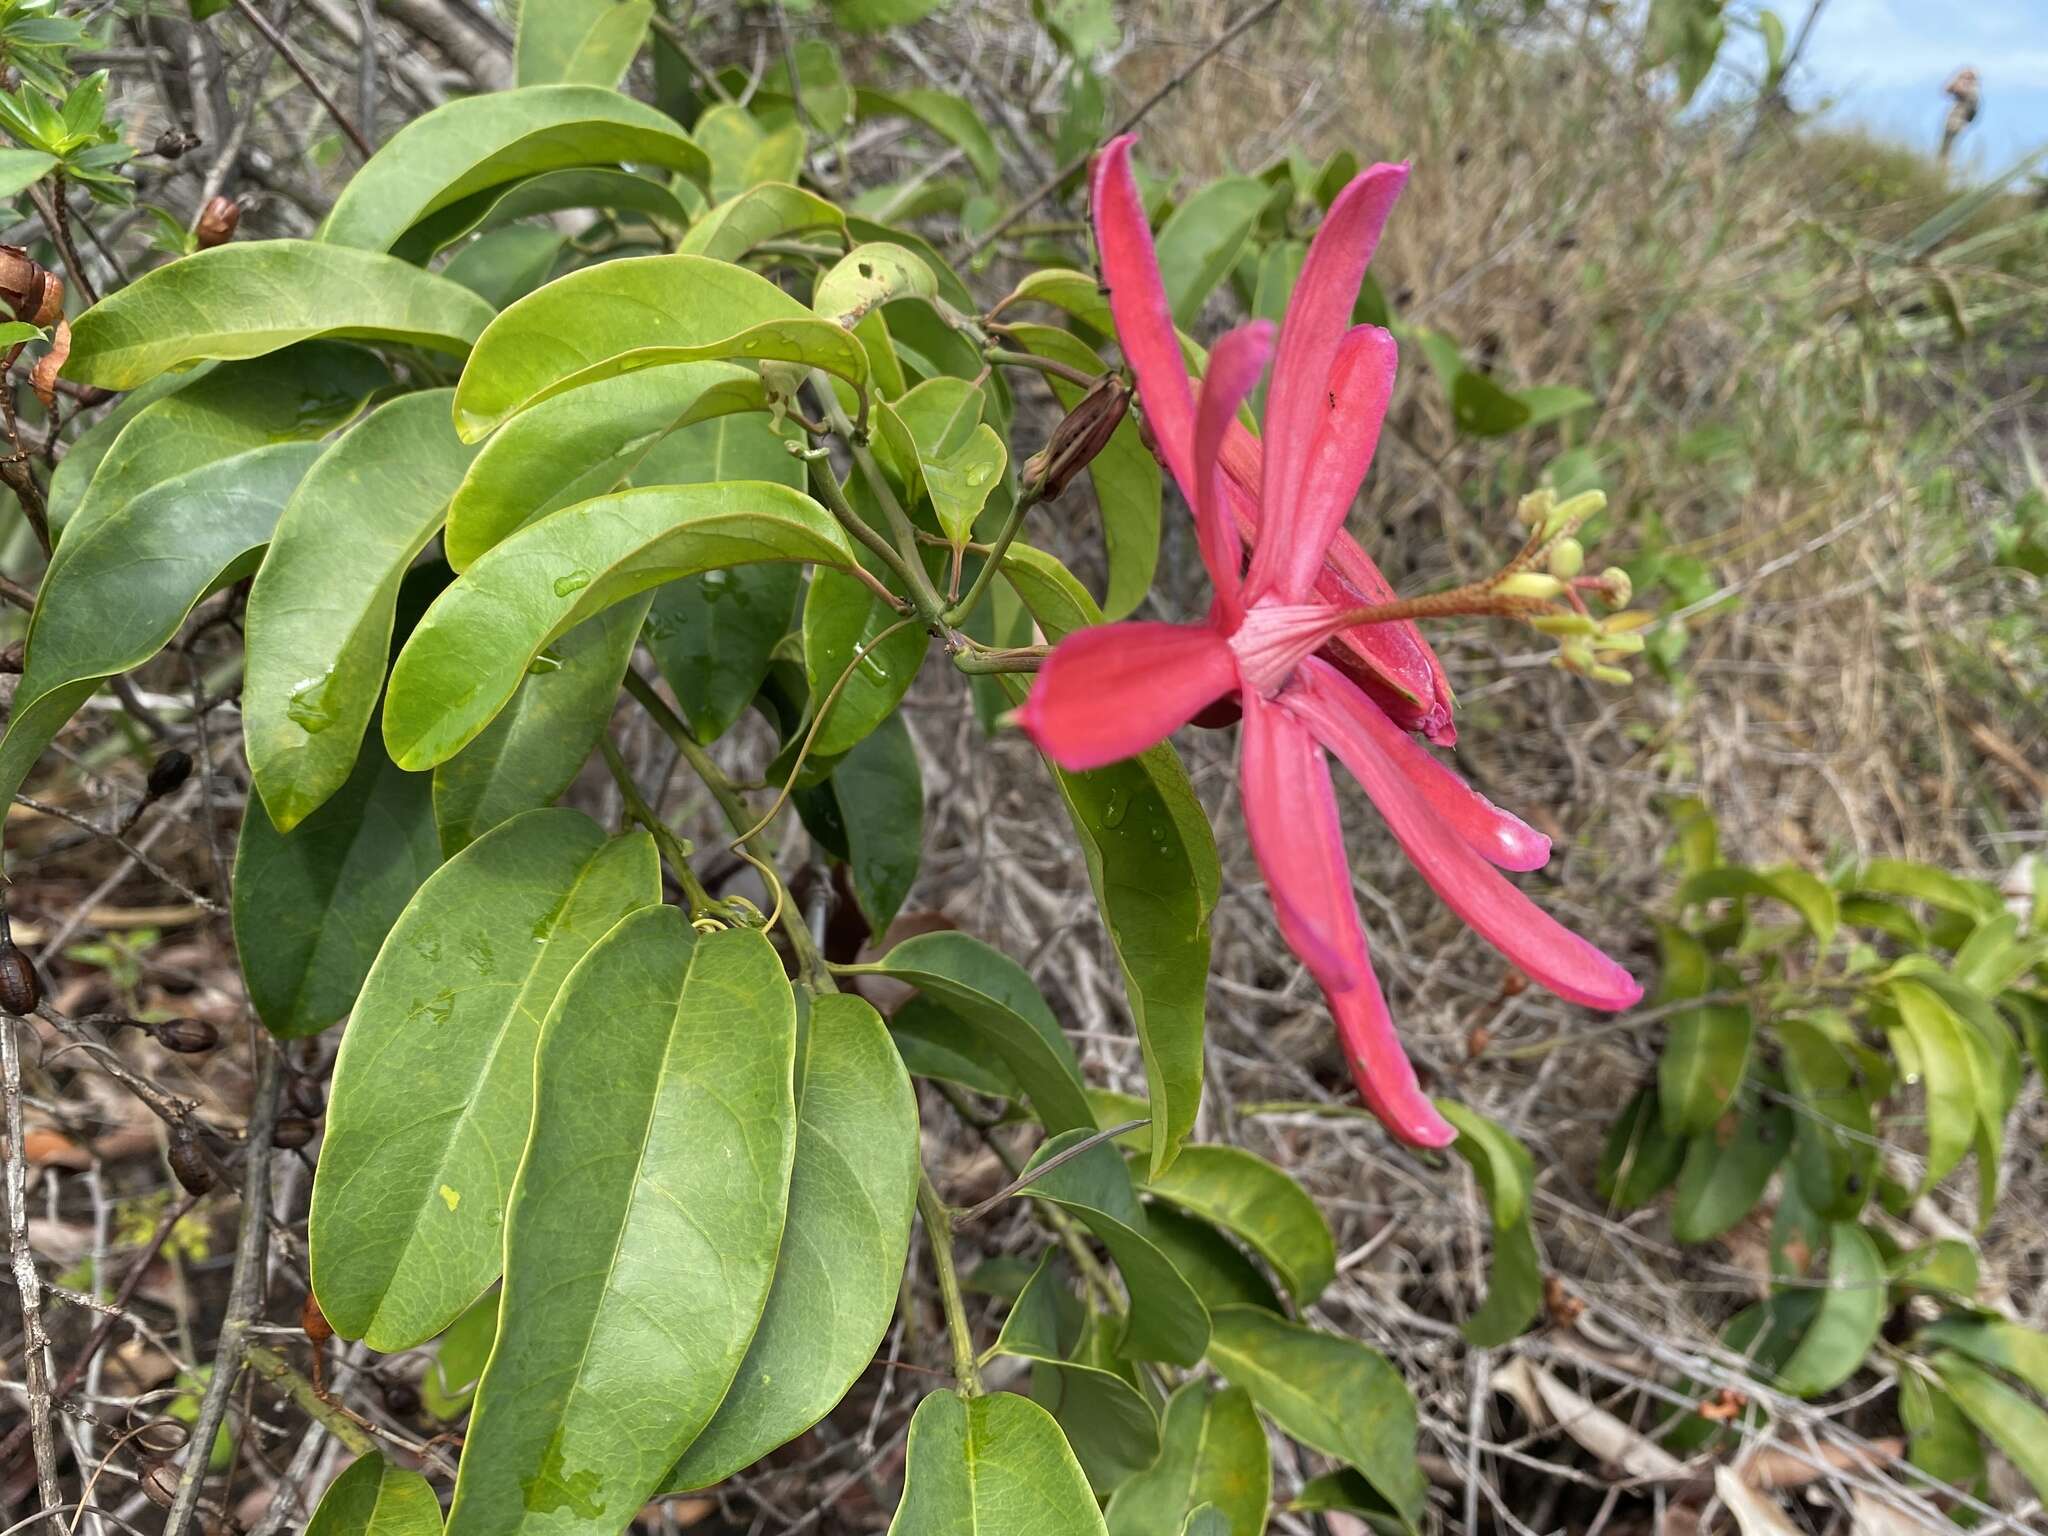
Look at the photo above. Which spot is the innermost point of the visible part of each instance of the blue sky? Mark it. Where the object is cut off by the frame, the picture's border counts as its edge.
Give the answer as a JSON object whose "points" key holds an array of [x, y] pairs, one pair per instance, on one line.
{"points": [[1882, 63]]}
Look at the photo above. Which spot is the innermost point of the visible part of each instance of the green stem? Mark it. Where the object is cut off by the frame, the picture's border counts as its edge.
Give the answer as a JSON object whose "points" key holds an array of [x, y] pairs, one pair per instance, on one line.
{"points": [[826, 485], [673, 848], [938, 1231], [1027, 658], [1003, 357], [1012, 525], [930, 606]]}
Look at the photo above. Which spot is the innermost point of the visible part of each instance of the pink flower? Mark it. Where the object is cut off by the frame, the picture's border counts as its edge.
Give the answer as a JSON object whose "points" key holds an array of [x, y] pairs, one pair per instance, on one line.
{"points": [[1284, 637]]}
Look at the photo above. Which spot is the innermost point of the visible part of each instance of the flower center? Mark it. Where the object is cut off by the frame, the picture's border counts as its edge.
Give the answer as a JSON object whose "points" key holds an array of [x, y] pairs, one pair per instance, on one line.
{"points": [[1274, 637]]}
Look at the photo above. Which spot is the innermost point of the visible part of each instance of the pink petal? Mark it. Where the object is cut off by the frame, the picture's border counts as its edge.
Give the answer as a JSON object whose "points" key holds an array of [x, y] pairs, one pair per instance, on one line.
{"points": [[1347, 429], [1392, 661], [1235, 364], [1318, 317], [1290, 812], [1502, 840], [1144, 319], [1111, 692], [1353, 727]]}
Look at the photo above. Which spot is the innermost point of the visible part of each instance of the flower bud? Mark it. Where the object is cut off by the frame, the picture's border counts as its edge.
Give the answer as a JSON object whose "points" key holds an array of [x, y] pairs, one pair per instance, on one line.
{"points": [[1531, 584], [1616, 587], [217, 221], [1565, 624], [20, 988], [1533, 510], [168, 772], [188, 1037], [1567, 558], [1082, 434]]}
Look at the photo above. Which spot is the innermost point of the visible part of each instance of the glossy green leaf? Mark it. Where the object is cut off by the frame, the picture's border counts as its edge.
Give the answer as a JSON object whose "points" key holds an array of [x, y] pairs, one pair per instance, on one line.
{"points": [[1946, 1074], [1852, 1309], [1506, 1175], [842, 620], [257, 296], [374, 1498], [936, 1042], [1347, 1491], [951, 117], [1995, 1341], [840, 1265], [1331, 1393], [507, 264], [312, 906], [1107, 1421], [120, 586], [21, 169], [1726, 1168], [584, 442], [771, 211], [1076, 293], [1125, 476], [878, 790], [433, 1087], [548, 192], [465, 660], [477, 142], [1152, 861], [639, 312], [869, 276], [1934, 887], [1704, 1059], [1203, 238], [2005, 1418], [321, 608], [186, 423], [541, 739], [1213, 1455], [644, 1225], [1167, 1320], [1805, 893], [460, 1355], [961, 482], [996, 1464], [991, 994], [1641, 1157], [579, 42], [744, 152], [1249, 1197], [1220, 1272]]}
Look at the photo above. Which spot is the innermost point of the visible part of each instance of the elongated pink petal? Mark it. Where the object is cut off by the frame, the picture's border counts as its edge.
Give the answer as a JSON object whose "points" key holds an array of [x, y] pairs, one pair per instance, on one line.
{"points": [[1501, 839], [1235, 364], [1110, 692], [1392, 661], [1290, 811], [1144, 318], [1367, 742], [1318, 317]]}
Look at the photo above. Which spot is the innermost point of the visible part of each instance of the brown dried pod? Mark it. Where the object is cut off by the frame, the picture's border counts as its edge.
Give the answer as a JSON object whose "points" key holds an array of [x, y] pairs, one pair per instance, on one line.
{"points": [[1082, 434], [307, 1097], [188, 1037], [160, 1484], [30, 290], [291, 1132], [20, 988], [217, 221], [173, 142], [401, 1399], [168, 772], [314, 1322], [189, 1166]]}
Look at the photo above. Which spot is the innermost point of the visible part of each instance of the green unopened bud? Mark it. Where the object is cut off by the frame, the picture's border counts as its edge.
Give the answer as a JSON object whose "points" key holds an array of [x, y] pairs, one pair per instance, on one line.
{"points": [[1566, 519], [1576, 655], [1533, 510], [1531, 584], [1567, 558], [1082, 434], [1616, 586], [1565, 624], [1614, 677], [1627, 644]]}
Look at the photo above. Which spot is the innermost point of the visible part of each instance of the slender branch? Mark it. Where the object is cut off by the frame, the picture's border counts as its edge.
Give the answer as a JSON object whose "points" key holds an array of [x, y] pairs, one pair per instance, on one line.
{"points": [[1005, 358], [829, 491], [35, 1346], [285, 51], [938, 1231], [673, 848], [1052, 183], [49, 202], [1031, 1176], [672, 34], [1012, 526]]}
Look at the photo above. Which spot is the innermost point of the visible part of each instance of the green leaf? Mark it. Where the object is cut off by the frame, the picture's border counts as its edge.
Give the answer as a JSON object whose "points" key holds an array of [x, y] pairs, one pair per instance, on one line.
{"points": [[1106, 1420], [321, 609], [1551, 402], [1331, 1393], [771, 211], [311, 907], [744, 152], [549, 192], [256, 296], [1152, 861], [1506, 1173], [1805, 893], [1834, 1146], [820, 79], [1726, 1168], [840, 1265], [477, 142], [374, 1498], [869, 276], [1216, 1267], [713, 637], [1995, 1341], [119, 588], [540, 740], [961, 482], [433, 1087], [21, 169], [1945, 1267], [2005, 1418], [654, 1187], [1345, 1490], [1213, 1455], [991, 994], [879, 795], [1125, 477], [1940, 1441], [1704, 1059], [579, 42], [1249, 1197], [996, 1463], [1167, 1320], [1947, 1076], [1924, 883], [1641, 1157], [507, 264], [1202, 240], [952, 118], [1852, 1309], [459, 1358], [638, 312], [179, 423], [465, 660], [842, 620]]}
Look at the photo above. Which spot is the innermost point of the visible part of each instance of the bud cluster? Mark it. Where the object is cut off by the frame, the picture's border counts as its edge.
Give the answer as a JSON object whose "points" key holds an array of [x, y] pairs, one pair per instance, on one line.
{"points": [[1550, 570]]}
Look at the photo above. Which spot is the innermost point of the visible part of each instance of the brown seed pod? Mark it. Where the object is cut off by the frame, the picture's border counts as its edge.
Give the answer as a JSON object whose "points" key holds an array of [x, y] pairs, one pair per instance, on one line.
{"points": [[168, 772], [20, 988], [314, 1322], [307, 1097], [291, 1132], [173, 142], [30, 290], [217, 221], [160, 1484], [189, 1166], [188, 1037]]}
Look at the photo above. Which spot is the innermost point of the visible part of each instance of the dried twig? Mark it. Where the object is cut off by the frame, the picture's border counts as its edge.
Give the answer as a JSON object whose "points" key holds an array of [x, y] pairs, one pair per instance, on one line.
{"points": [[35, 1346]]}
